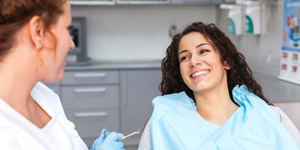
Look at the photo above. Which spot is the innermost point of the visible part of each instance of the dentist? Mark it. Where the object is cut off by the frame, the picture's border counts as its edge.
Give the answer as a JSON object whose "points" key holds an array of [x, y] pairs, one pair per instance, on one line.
{"points": [[34, 42]]}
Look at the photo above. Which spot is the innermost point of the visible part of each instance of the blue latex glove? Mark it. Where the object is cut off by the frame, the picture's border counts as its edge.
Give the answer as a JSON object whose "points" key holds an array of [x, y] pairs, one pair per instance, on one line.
{"points": [[99, 140], [109, 143]]}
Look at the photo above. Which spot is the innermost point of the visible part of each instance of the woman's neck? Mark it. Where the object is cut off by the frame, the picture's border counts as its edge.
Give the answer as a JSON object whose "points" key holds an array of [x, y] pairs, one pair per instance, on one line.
{"points": [[17, 80], [215, 106]]}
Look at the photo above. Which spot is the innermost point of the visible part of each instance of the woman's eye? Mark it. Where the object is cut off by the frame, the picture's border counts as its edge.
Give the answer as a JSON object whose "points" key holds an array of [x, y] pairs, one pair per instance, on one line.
{"points": [[183, 58], [204, 51]]}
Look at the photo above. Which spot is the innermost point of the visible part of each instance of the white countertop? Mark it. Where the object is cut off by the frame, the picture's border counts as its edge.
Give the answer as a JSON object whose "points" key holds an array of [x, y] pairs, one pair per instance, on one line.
{"points": [[276, 90], [117, 65]]}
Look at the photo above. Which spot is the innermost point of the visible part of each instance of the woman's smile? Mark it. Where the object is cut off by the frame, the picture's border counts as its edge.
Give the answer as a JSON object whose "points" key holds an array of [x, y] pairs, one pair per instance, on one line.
{"points": [[200, 74]]}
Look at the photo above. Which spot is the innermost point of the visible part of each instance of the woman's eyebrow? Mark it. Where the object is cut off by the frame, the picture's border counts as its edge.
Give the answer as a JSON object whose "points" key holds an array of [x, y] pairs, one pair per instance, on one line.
{"points": [[202, 45], [182, 52]]}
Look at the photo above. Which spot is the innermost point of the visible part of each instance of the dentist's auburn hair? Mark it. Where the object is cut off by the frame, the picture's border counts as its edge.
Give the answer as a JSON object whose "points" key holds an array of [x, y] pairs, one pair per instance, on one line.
{"points": [[14, 14], [238, 74]]}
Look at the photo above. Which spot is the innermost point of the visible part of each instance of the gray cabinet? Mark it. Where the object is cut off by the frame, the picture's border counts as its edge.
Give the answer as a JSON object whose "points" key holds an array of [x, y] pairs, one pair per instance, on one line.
{"points": [[85, 97], [91, 77], [89, 122], [116, 99], [138, 88], [91, 101]]}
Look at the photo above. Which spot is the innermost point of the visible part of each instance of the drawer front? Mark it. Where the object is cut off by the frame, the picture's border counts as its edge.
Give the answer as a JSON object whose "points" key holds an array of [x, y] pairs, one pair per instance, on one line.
{"points": [[90, 97], [90, 77], [89, 123], [52, 83]]}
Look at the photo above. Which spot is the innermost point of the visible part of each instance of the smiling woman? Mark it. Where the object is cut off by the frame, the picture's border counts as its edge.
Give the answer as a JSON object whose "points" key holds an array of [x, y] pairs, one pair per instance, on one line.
{"points": [[34, 42], [211, 101], [200, 65], [217, 42]]}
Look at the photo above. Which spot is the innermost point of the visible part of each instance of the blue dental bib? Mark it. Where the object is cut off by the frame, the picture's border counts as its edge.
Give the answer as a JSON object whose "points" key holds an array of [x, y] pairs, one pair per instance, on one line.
{"points": [[176, 125]]}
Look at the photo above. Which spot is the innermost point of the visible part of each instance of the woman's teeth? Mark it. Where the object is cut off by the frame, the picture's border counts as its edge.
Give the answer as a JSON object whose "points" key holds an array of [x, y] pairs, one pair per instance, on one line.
{"points": [[199, 73]]}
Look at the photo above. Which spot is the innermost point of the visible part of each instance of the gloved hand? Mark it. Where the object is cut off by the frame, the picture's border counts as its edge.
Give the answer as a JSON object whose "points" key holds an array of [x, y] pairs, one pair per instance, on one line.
{"points": [[109, 143], [99, 140]]}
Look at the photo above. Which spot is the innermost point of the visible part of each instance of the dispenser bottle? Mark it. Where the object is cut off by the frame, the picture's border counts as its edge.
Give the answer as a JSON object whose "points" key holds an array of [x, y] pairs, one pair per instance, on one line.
{"points": [[235, 21], [253, 19]]}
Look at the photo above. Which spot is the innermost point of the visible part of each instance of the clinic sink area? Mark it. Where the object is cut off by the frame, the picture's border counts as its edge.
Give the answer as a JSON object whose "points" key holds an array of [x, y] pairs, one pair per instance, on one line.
{"points": [[276, 90]]}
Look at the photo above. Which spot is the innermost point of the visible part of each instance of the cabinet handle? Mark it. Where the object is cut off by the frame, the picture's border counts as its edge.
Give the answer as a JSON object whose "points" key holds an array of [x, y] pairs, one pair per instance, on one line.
{"points": [[91, 114], [124, 91], [90, 90], [89, 75]]}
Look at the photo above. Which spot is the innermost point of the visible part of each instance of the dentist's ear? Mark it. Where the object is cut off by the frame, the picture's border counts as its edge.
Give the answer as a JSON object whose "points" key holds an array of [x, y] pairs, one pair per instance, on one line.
{"points": [[36, 30]]}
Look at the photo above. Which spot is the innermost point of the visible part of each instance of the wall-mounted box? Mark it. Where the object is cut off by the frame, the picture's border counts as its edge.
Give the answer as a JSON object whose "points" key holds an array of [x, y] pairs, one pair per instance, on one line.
{"points": [[255, 16], [235, 17], [235, 21], [253, 19]]}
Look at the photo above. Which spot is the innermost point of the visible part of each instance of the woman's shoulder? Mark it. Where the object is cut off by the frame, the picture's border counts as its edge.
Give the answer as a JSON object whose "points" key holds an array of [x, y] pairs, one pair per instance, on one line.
{"points": [[287, 123], [284, 119], [277, 111], [280, 114], [145, 141]]}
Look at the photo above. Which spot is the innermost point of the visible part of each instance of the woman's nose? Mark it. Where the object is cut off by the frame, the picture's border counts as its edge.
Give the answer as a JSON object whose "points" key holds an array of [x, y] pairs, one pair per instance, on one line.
{"points": [[72, 44], [194, 62]]}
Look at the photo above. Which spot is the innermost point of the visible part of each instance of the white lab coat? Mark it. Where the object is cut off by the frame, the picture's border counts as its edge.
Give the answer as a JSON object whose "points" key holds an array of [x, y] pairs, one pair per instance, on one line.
{"points": [[18, 133]]}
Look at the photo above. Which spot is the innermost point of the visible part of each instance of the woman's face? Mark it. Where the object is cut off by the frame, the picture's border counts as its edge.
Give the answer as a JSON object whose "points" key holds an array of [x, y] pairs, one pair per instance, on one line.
{"points": [[200, 65], [54, 61]]}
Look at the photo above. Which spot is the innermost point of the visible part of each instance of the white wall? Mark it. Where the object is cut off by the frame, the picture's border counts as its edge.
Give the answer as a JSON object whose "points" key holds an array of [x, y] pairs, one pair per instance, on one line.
{"points": [[136, 32], [256, 48]]}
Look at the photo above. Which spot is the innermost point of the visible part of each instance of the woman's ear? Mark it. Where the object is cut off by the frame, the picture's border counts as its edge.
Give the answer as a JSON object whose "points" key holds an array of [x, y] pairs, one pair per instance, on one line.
{"points": [[226, 66], [36, 30]]}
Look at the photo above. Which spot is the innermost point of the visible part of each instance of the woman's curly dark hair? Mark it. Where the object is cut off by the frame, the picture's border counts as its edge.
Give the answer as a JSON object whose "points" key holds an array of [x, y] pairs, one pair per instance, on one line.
{"points": [[238, 74]]}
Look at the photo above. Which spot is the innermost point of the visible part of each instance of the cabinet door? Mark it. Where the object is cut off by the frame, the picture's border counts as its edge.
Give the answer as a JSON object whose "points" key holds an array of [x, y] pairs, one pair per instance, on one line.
{"points": [[85, 97], [138, 88], [90, 77], [89, 122]]}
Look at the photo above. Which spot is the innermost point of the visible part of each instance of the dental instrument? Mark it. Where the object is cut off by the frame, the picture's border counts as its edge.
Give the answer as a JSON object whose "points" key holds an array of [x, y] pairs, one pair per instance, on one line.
{"points": [[129, 135]]}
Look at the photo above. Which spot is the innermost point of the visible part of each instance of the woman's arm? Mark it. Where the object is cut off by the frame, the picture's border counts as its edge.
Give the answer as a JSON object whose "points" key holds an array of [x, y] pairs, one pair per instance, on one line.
{"points": [[145, 142], [287, 123]]}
